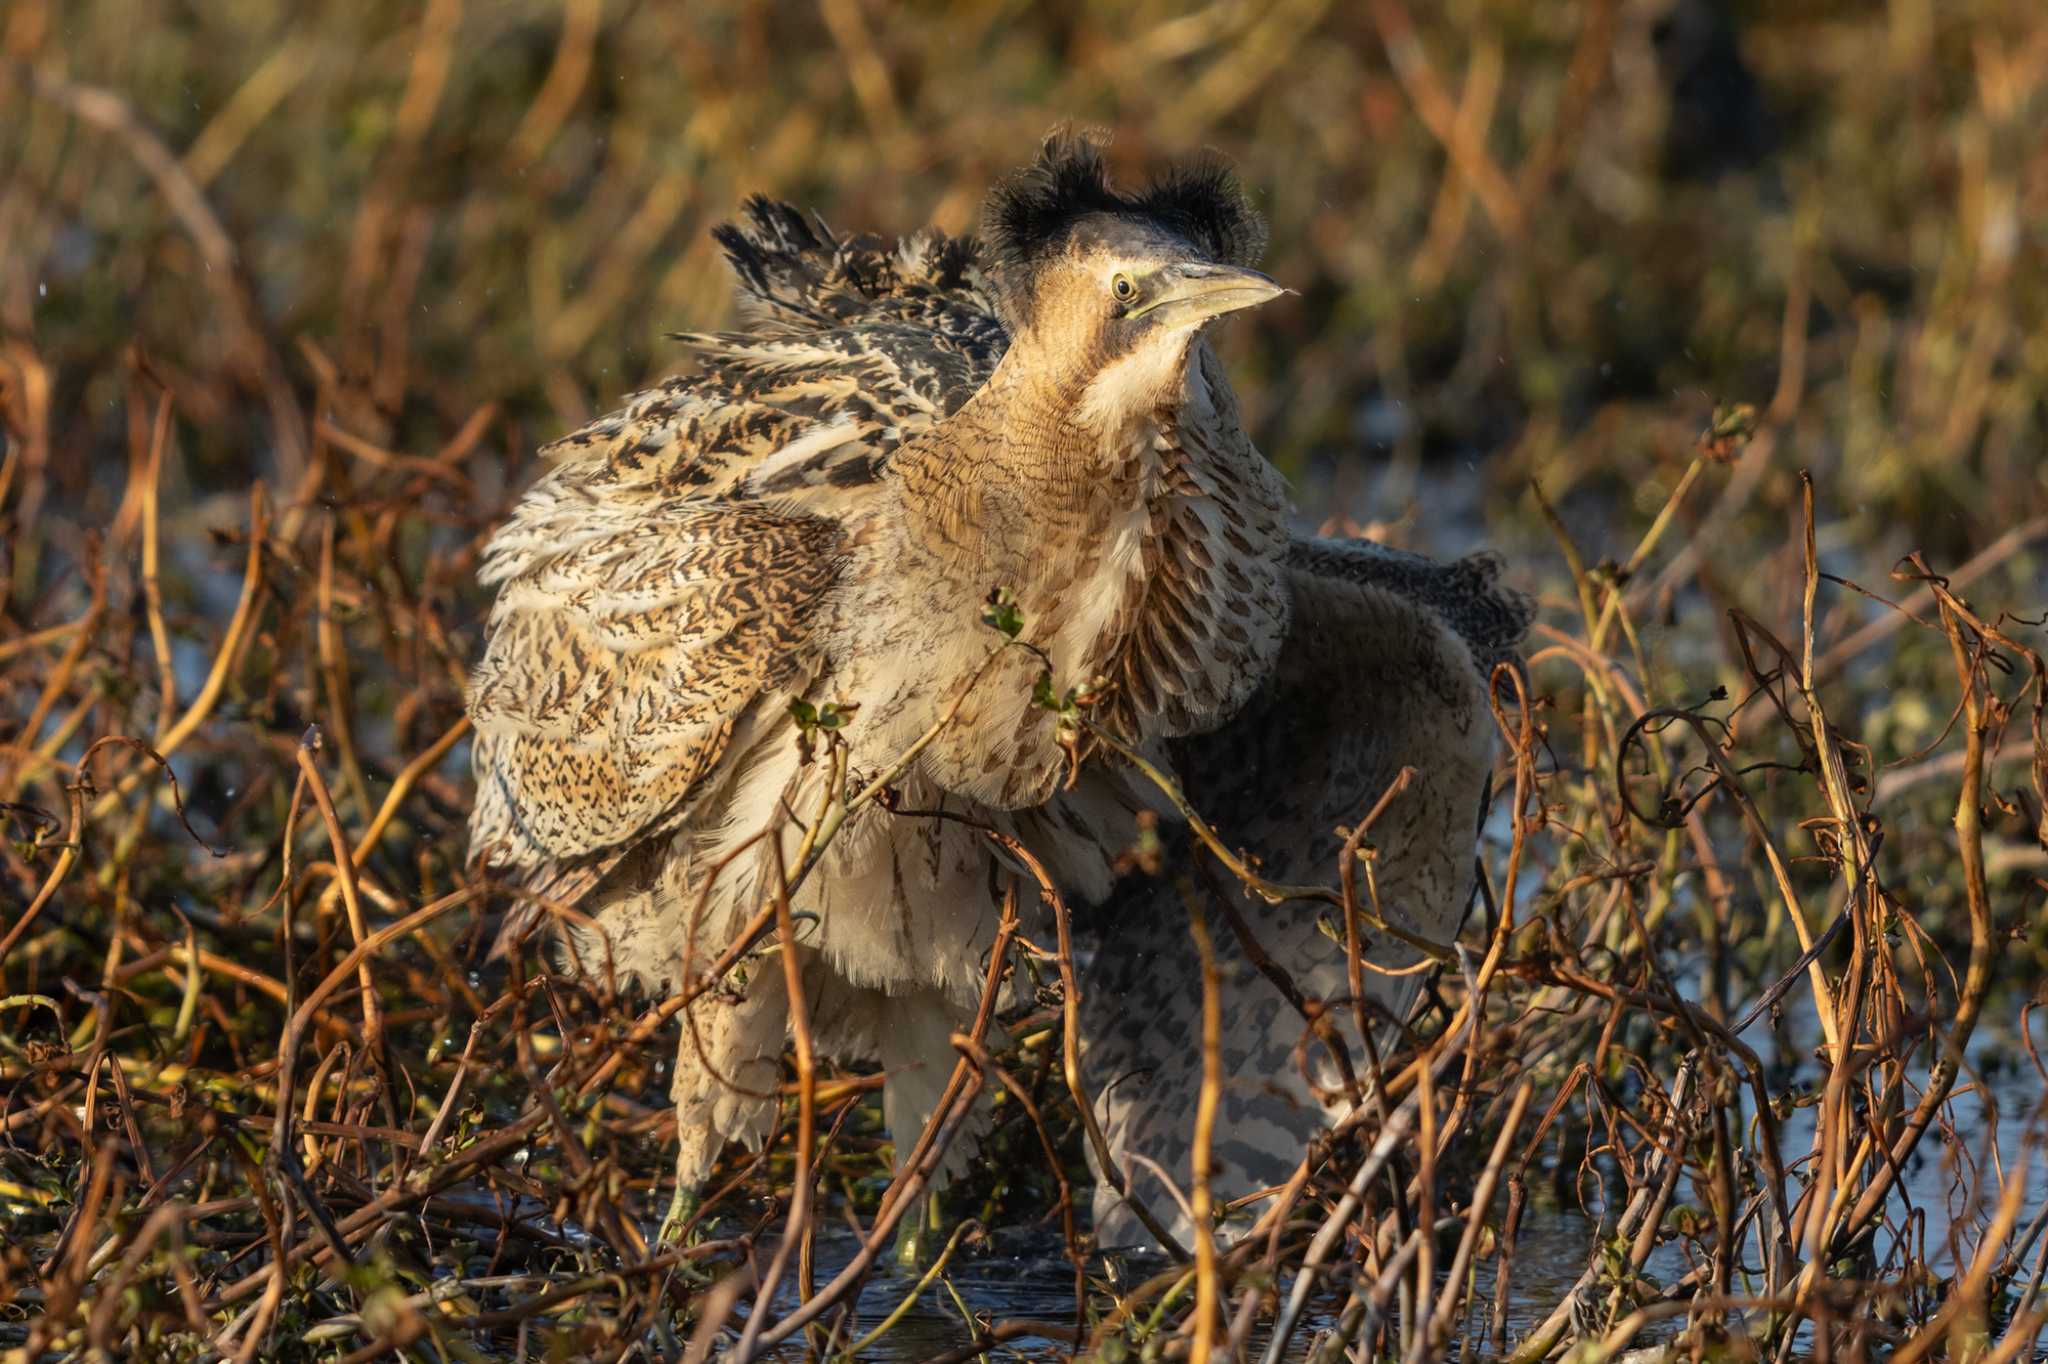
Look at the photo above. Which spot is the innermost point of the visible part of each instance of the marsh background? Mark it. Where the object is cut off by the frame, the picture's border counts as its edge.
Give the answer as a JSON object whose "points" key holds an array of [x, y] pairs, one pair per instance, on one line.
{"points": [[369, 256], [1531, 240]]}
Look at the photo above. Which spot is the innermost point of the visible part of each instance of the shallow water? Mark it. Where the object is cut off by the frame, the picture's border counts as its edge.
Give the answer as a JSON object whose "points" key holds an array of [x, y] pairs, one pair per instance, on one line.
{"points": [[1025, 1274]]}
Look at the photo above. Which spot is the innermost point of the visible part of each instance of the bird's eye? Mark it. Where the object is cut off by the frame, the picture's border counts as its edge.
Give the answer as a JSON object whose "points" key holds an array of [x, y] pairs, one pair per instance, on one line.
{"points": [[1122, 287]]}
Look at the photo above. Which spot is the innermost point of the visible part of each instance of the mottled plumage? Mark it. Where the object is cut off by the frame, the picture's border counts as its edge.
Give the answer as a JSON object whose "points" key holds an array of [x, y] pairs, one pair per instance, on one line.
{"points": [[817, 514]]}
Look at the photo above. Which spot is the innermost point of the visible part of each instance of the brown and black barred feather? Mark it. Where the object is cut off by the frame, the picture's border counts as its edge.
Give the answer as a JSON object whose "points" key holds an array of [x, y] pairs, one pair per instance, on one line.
{"points": [[660, 594], [661, 579]]}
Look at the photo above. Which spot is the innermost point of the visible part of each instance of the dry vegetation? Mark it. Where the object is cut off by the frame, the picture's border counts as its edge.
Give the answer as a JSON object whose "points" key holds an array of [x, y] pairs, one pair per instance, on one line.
{"points": [[287, 299]]}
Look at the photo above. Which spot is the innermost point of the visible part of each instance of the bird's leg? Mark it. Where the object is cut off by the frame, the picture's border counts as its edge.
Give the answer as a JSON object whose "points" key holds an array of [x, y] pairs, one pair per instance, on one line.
{"points": [[697, 1143], [724, 1082], [909, 1234], [681, 1208], [913, 1050], [695, 1149]]}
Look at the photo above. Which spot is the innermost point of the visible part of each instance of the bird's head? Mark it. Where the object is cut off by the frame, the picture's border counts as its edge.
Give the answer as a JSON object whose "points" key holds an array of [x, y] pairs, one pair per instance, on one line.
{"points": [[1105, 292]]}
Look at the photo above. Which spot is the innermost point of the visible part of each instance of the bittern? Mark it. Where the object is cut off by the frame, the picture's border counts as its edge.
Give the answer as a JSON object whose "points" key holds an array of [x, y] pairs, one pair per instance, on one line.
{"points": [[1386, 665], [805, 533]]}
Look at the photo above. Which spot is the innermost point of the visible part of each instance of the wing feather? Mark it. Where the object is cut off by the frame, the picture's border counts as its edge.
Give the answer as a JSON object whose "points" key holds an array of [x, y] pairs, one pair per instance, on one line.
{"points": [[628, 638], [661, 582]]}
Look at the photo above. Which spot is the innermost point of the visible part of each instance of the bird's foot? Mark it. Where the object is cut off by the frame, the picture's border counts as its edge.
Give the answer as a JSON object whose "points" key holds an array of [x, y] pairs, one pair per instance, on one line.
{"points": [[919, 1236], [682, 1209]]}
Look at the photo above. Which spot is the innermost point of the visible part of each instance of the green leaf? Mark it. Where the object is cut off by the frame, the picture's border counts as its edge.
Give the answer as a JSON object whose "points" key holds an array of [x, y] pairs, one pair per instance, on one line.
{"points": [[1042, 694], [1731, 428], [999, 612]]}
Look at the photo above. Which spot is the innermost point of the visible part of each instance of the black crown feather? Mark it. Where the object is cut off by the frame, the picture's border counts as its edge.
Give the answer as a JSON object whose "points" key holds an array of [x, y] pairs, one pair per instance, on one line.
{"points": [[1204, 202], [1030, 213]]}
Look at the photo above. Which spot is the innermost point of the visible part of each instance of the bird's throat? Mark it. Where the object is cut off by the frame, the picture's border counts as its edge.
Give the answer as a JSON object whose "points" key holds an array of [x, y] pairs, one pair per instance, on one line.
{"points": [[1030, 469]]}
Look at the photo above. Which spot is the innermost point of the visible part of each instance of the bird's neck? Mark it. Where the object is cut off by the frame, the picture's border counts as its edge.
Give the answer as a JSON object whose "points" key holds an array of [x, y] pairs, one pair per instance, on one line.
{"points": [[1027, 470], [1147, 557]]}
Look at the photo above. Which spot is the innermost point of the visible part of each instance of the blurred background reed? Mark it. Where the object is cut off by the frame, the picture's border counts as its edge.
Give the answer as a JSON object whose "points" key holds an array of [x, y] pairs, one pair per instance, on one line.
{"points": [[290, 293], [1532, 239]]}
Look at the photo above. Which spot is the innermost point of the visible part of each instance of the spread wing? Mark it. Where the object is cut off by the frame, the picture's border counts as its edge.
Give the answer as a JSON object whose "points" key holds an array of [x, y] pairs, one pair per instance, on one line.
{"points": [[1466, 594], [660, 585], [1385, 667]]}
